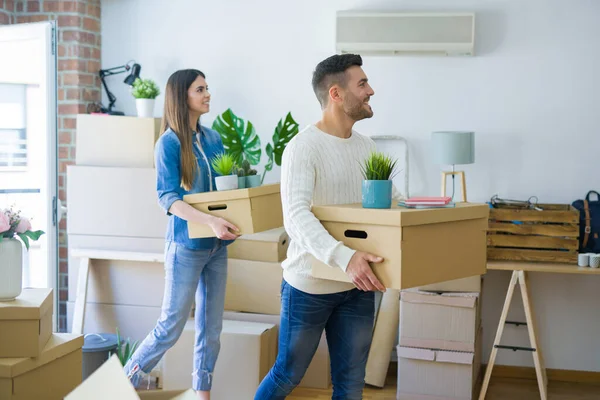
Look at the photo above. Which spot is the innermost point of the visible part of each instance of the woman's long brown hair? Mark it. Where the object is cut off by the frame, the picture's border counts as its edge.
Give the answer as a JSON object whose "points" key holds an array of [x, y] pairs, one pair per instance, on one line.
{"points": [[177, 117]]}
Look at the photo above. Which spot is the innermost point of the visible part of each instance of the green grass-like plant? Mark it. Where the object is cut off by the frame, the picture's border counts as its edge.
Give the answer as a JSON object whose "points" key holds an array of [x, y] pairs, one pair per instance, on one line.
{"points": [[224, 164], [125, 349], [379, 167], [145, 89]]}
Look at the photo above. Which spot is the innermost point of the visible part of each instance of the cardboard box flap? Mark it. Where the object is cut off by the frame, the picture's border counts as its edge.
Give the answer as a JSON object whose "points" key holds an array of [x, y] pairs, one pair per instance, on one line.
{"points": [[452, 299], [228, 195], [31, 304], [167, 395], [455, 357], [245, 327], [278, 235], [59, 345], [399, 216], [107, 382], [416, 353]]}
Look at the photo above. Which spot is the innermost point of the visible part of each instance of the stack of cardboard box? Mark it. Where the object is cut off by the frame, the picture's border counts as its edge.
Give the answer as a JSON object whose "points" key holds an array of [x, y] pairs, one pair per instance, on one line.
{"points": [[34, 362], [254, 292], [249, 341], [439, 350], [111, 194]]}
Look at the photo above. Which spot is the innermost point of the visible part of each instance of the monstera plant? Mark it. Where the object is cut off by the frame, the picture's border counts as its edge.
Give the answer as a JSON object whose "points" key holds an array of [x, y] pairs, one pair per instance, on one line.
{"points": [[284, 132], [239, 137], [243, 144]]}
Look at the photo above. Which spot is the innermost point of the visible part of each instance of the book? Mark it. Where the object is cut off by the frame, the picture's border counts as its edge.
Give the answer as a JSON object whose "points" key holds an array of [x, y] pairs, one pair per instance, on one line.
{"points": [[426, 205], [428, 200]]}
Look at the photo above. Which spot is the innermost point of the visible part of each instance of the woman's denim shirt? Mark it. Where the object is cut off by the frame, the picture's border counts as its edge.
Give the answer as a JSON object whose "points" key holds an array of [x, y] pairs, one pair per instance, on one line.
{"points": [[168, 181]]}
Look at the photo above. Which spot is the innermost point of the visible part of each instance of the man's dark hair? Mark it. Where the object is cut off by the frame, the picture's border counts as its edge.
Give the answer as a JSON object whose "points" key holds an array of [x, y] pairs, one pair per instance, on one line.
{"points": [[331, 71]]}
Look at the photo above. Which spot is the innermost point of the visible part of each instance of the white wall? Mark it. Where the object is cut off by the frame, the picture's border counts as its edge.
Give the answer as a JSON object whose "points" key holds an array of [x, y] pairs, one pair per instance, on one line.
{"points": [[530, 94]]}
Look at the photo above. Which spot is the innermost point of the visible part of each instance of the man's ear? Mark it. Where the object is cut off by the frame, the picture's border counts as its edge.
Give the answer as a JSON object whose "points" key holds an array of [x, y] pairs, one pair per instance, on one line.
{"points": [[335, 94]]}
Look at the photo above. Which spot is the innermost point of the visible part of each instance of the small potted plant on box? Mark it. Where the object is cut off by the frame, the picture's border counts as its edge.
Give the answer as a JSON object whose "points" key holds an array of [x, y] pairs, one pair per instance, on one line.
{"points": [[145, 92], [224, 165], [13, 225], [252, 178], [378, 170]]}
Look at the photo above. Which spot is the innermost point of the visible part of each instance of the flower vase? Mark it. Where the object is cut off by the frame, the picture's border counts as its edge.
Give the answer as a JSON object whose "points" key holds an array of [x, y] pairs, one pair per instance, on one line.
{"points": [[11, 269]]}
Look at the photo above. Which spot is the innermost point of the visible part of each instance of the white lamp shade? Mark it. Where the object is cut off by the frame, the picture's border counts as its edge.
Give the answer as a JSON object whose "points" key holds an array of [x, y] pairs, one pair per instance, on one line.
{"points": [[453, 148]]}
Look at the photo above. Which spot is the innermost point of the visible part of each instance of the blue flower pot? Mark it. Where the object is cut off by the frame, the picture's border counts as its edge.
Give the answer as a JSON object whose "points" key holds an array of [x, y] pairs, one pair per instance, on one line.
{"points": [[253, 181], [377, 194], [241, 182]]}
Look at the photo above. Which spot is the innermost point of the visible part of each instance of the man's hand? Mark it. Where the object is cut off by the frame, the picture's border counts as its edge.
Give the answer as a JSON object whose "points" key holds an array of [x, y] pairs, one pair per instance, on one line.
{"points": [[361, 274]]}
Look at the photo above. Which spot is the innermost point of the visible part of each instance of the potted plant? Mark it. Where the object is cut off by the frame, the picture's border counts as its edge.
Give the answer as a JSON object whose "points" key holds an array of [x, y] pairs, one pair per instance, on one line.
{"points": [[241, 174], [251, 176], [13, 225], [125, 348], [378, 170], [224, 165], [145, 92], [243, 143]]}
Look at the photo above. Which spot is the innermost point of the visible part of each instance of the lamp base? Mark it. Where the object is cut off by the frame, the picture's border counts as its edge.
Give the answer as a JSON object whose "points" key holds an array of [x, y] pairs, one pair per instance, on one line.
{"points": [[116, 113], [462, 181]]}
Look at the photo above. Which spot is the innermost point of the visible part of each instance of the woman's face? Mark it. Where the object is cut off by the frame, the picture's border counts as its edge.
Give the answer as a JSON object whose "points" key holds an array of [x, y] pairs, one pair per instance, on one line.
{"points": [[198, 96]]}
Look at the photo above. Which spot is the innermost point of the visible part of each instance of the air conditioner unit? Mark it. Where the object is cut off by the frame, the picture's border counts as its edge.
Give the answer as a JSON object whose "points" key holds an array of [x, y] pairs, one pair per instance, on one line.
{"points": [[398, 33]]}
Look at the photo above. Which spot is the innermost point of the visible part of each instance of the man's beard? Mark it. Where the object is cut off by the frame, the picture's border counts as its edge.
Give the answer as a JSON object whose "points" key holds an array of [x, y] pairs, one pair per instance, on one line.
{"points": [[355, 109]]}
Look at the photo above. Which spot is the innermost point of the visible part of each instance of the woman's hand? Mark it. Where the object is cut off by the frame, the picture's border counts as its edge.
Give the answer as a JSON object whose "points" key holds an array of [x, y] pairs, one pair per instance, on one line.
{"points": [[223, 229]]}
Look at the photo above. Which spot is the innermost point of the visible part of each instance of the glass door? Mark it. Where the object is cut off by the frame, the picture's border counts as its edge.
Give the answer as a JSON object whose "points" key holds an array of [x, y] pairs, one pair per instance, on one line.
{"points": [[28, 145]]}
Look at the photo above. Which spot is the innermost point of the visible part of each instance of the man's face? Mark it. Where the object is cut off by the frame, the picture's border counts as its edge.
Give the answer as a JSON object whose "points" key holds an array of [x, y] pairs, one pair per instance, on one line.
{"points": [[356, 94]]}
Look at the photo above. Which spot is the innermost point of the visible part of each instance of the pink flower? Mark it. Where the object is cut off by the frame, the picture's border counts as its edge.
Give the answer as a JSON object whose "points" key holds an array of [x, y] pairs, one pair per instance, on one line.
{"points": [[24, 226], [4, 222]]}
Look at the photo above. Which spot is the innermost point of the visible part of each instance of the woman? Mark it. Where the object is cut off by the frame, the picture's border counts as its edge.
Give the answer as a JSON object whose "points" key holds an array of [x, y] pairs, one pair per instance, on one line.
{"points": [[192, 266]]}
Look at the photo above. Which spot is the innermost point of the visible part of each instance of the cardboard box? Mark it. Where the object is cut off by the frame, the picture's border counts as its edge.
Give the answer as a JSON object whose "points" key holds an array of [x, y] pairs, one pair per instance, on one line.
{"points": [[447, 321], [110, 382], [167, 394], [253, 286], [318, 374], [268, 246], [116, 141], [26, 323], [425, 374], [110, 201], [131, 283], [51, 376], [246, 355], [252, 210], [419, 246], [133, 321], [471, 284]]}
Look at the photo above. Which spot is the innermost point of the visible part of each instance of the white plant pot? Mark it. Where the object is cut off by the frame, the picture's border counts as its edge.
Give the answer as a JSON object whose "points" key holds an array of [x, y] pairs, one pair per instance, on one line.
{"points": [[229, 182], [11, 269], [145, 108]]}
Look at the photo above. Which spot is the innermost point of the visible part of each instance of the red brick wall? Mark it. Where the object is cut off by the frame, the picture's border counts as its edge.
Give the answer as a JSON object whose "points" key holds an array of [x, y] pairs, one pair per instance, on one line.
{"points": [[7, 11], [78, 85]]}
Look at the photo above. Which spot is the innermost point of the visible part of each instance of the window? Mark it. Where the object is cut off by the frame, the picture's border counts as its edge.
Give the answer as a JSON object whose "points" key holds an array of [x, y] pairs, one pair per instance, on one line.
{"points": [[13, 129]]}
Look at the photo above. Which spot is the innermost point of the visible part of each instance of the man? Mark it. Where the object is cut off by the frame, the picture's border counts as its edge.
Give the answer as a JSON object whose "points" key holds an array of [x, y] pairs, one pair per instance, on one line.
{"points": [[321, 165]]}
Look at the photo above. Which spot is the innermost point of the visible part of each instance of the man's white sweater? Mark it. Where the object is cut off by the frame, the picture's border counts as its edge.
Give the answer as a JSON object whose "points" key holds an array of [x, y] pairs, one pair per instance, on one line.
{"points": [[319, 169]]}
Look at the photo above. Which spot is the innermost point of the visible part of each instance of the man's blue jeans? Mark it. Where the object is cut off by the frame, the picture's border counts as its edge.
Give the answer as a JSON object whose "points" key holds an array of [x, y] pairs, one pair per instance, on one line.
{"points": [[202, 273], [347, 318]]}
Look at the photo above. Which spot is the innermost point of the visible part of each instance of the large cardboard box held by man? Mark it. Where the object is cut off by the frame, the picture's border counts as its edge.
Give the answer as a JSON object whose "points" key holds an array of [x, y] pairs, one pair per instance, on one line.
{"points": [[418, 246]]}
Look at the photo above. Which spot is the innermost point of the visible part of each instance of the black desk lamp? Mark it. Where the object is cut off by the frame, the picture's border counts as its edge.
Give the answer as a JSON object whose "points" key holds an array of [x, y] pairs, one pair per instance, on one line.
{"points": [[133, 75]]}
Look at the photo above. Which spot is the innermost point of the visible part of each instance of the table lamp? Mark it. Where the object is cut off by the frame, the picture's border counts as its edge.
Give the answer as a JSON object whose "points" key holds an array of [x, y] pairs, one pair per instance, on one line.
{"points": [[134, 73], [454, 148]]}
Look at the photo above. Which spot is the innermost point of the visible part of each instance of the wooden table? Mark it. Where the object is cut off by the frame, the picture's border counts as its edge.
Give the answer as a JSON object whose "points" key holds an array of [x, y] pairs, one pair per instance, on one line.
{"points": [[519, 275]]}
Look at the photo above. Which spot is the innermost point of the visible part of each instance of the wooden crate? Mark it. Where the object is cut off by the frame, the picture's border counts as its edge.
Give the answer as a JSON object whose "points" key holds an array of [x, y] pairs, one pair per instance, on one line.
{"points": [[550, 235]]}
